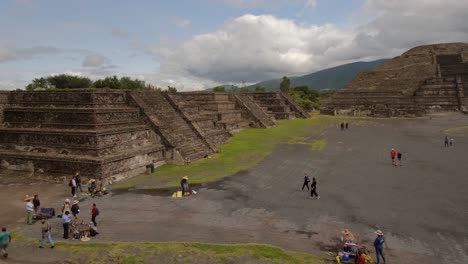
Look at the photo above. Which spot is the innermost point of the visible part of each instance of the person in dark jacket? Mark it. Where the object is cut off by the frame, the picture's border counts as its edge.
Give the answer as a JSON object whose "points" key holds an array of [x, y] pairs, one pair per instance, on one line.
{"points": [[313, 189], [184, 185], [78, 182], [75, 209], [378, 244], [37, 203], [306, 182], [446, 141]]}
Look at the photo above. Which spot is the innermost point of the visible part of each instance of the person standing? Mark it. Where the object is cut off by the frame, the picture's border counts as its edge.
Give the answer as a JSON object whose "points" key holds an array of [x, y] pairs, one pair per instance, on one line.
{"points": [[75, 209], [446, 141], [78, 182], [94, 214], [306, 182], [72, 185], [45, 231], [399, 154], [451, 142], [346, 125], [393, 155], [342, 126], [29, 209], [66, 206], [5, 240], [378, 244], [37, 203], [66, 224], [184, 185], [313, 189]]}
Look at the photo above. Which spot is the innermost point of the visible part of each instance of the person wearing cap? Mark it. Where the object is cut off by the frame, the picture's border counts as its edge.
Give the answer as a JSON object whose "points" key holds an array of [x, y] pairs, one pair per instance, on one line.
{"points": [[29, 209], [66, 224], [75, 209], [378, 244], [184, 185], [45, 231], [393, 155], [5, 240]]}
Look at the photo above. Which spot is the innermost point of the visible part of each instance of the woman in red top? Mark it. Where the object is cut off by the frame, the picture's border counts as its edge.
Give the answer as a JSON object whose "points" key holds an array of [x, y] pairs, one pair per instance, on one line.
{"points": [[94, 213], [393, 155]]}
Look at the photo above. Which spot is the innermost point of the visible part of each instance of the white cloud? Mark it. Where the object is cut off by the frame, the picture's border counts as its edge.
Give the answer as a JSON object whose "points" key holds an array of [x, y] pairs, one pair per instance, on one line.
{"points": [[182, 23], [9, 53], [95, 60]]}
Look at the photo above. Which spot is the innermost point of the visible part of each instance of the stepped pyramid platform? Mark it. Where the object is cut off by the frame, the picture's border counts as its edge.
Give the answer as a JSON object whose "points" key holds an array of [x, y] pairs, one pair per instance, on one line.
{"points": [[422, 80], [278, 105], [115, 133]]}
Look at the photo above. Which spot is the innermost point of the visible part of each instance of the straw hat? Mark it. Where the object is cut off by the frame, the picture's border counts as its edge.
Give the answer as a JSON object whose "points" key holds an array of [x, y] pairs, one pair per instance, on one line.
{"points": [[379, 232], [85, 239], [77, 173], [76, 202], [67, 200], [27, 198], [92, 180], [185, 177], [345, 231]]}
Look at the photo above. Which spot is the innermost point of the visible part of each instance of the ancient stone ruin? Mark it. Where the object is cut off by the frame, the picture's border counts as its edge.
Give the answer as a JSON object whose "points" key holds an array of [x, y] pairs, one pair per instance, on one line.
{"points": [[104, 133], [422, 80]]}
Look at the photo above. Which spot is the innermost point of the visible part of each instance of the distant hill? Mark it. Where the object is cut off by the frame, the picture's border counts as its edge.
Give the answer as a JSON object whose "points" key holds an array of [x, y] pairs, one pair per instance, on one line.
{"points": [[331, 78]]}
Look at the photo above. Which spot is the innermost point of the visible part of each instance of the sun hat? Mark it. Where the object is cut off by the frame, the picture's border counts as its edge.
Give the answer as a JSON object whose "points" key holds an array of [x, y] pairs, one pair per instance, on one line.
{"points": [[67, 200], [27, 198], [92, 180], [76, 202], [345, 231], [185, 177], [379, 232], [85, 239]]}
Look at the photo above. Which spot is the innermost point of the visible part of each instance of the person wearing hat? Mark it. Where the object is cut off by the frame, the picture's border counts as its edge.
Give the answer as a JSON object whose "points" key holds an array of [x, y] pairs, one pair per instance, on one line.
{"points": [[92, 188], [378, 244], [184, 185], [66, 206], [5, 240], [347, 236], [45, 231], [75, 209], [29, 209]]}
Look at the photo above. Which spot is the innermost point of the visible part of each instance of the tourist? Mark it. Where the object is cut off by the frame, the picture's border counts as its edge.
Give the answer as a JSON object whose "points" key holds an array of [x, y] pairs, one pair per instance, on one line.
{"points": [[94, 214], [347, 236], [75, 209], [29, 209], [92, 188], [452, 141], [93, 231], [78, 182], [45, 230], [37, 203], [185, 186], [446, 140], [342, 126], [306, 182], [72, 185], [399, 154], [66, 206], [346, 125], [5, 240], [393, 155], [313, 189], [66, 224], [378, 244]]}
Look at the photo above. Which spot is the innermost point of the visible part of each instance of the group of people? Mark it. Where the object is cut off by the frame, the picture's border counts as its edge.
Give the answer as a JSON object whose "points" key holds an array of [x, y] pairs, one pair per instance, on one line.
{"points": [[396, 157], [33, 205], [344, 125], [75, 224], [362, 254], [313, 186], [448, 142]]}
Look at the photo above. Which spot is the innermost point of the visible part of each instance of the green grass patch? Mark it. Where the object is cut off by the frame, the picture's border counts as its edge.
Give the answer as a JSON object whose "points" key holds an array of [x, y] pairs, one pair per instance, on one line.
{"points": [[318, 145], [462, 130], [141, 252], [244, 150]]}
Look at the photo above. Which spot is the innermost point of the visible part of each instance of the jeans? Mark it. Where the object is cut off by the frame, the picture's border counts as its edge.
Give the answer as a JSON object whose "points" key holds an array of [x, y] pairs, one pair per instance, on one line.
{"points": [[379, 252], [73, 190], [78, 187], [3, 249], [93, 219], [65, 230], [49, 238], [313, 192]]}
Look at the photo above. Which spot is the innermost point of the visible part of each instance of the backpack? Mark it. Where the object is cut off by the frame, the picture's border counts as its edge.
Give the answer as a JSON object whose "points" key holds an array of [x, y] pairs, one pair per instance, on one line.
{"points": [[97, 211], [70, 183]]}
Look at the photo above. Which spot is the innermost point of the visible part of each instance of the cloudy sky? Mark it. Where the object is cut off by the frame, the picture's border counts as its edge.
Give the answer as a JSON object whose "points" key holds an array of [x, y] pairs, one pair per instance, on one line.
{"points": [[201, 43]]}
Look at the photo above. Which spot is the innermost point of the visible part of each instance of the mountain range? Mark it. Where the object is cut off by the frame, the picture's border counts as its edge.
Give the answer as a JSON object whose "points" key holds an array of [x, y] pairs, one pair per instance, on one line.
{"points": [[331, 78]]}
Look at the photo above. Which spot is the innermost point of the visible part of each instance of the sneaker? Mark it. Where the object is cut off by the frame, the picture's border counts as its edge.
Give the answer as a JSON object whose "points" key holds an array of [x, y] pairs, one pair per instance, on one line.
{"points": [[318, 197]]}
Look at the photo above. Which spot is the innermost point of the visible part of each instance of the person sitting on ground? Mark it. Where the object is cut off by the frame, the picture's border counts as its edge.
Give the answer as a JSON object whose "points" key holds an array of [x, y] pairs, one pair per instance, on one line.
{"points": [[75, 209], [93, 231], [92, 188], [347, 236]]}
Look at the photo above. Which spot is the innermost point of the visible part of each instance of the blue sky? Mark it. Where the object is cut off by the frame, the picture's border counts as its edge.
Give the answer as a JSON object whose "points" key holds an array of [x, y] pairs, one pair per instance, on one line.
{"points": [[198, 44]]}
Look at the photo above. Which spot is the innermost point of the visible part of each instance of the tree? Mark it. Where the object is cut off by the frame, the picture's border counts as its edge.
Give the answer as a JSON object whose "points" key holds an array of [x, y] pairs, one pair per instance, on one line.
{"points": [[260, 88], [219, 89], [244, 90], [64, 81], [38, 83], [285, 84], [123, 83], [171, 89], [108, 82]]}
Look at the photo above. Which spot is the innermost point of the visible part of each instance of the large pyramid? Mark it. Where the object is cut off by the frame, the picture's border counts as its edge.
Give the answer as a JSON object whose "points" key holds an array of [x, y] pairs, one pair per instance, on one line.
{"points": [[424, 79]]}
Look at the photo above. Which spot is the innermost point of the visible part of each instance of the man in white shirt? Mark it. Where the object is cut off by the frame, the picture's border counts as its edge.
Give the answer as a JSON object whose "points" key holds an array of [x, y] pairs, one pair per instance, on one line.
{"points": [[29, 209]]}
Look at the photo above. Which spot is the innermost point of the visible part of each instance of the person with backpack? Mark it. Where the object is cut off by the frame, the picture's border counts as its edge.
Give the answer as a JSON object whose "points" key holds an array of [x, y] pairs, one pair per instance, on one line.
{"points": [[94, 214], [45, 231], [306, 182]]}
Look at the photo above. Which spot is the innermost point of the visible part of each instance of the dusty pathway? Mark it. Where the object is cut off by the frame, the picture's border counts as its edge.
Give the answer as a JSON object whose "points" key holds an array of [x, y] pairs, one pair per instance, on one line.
{"points": [[422, 206]]}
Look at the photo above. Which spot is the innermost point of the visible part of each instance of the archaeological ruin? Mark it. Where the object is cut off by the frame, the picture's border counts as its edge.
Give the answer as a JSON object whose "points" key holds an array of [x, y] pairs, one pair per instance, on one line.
{"points": [[115, 133], [422, 80]]}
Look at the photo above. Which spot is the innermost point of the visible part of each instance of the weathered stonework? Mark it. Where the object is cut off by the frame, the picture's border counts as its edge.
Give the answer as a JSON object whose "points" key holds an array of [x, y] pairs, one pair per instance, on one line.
{"points": [[420, 81]]}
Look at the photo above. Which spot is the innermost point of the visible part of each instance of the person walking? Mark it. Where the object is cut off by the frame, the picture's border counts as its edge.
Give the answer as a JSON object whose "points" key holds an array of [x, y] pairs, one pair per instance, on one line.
{"points": [[452, 141], [446, 141], [66, 224], [399, 155], [306, 182], [313, 189], [346, 125], [342, 126], [45, 231], [378, 244], [37, 203], [29, 209], [78, 182], [5, 240], [94, 214], [72, 185], [185, 186], [393, 155]]}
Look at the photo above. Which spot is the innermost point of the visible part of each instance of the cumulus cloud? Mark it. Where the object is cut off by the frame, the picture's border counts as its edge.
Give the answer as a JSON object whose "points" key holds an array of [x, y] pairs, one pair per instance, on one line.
{"points": [[182, 23], [9, 54], [95, 60]]}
